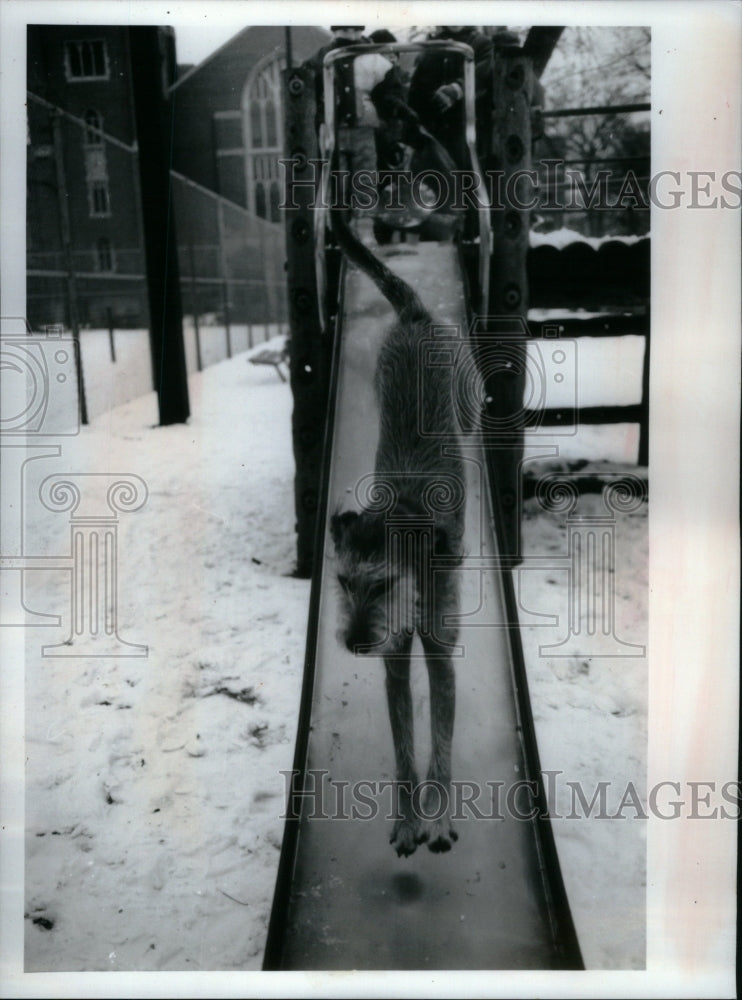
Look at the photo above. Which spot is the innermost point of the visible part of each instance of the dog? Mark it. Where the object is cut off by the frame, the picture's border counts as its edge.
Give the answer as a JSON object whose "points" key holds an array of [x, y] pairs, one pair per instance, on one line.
{"points": [[398, 557]]}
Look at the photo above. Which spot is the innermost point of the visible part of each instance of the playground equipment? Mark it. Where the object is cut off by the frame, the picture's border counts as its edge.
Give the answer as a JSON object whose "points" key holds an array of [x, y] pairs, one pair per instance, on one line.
{"points": [[343, 900]]}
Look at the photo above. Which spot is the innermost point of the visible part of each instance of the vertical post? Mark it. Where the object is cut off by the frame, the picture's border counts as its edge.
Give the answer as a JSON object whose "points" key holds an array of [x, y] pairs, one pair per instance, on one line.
{"points": [[224, 272], [194, 305], [66, 231], [225, 311], [154, 139], [111, 343], [310, 351], [511, 134], [268, 252], [289, 49], [643, 457]]}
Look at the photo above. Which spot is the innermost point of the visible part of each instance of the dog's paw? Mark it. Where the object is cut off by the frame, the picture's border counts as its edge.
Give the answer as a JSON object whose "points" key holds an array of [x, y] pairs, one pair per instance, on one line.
{"points": [[441, 836], [407, 834]]}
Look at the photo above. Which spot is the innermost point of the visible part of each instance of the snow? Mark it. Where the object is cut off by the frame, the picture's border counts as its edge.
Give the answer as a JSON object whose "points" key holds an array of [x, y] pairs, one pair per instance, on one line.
{"points": [[590, 712], [109, 382], [153, 785], [564, 237]]}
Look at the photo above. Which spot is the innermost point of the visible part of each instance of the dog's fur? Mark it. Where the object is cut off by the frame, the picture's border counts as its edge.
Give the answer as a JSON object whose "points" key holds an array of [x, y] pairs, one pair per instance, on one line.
{"points": [[387, 589]]}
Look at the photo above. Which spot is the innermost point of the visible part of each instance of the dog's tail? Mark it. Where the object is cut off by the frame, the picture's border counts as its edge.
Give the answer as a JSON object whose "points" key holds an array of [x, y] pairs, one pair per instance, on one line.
{"points": [[404, 300]]}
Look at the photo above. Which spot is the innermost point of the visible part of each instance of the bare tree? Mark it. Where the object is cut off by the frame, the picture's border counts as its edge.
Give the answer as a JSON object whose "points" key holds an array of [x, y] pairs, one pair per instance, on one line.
{"points": [[603, 67]]}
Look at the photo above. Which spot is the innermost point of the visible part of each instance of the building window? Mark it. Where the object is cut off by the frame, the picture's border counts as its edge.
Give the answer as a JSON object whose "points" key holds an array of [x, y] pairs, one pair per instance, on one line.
{"points": [[104, 260], [93, 128], [99, 201], [261, 122], [86, 60]]}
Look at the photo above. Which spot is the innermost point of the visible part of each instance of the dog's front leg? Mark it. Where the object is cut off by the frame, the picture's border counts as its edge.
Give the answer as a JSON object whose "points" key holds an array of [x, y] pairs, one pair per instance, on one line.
{"points": [[438, 793], [440, 605], [408, 829]]}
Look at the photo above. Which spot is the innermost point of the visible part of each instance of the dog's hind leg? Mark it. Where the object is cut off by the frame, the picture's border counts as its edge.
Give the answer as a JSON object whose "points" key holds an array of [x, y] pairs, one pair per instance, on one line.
{"points": [[408, 829]]}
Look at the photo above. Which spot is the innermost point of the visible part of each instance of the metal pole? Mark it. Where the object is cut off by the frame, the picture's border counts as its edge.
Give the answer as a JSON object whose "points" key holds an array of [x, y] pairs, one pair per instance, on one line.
{"points": [[512, 91], [223, 269], [66, 231], [154, 140], [109, 316], [289, 54], [643, 456], [194, 306], [225, 310]]}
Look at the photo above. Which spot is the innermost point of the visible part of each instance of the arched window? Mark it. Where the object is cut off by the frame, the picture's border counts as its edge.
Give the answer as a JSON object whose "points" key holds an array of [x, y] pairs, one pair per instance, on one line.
{"points": [[86, 60], [93, 127], [96, 168], [104, 258], [262, 124]]}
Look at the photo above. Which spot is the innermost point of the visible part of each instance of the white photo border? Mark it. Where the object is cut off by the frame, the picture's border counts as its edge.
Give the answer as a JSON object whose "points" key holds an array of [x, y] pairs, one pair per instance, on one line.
{"points": [[694, 522]]}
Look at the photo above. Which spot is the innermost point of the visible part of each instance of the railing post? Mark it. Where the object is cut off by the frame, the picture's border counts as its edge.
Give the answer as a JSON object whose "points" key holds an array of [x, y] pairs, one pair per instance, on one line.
{"points": [[66, 229], [643, 456], [111, 340], [309, 351], [224, 270], [511, 134], [194, 306]]}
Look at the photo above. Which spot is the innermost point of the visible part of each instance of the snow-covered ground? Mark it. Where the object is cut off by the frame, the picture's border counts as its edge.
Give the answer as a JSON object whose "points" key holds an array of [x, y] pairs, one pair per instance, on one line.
{"points": [[117, 367], [153, 785], [589, 702]]}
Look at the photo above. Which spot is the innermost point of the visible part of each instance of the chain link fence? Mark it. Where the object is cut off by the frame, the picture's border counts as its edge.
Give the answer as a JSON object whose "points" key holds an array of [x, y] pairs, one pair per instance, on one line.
{"points": [[86, 265]]}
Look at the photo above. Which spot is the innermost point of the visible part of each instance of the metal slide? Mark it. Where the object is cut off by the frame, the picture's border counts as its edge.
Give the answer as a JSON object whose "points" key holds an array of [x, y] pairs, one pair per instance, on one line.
{"points": [[344, 900]]}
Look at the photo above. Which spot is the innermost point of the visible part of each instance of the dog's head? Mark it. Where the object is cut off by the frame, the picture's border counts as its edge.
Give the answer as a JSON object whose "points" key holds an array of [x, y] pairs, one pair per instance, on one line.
{"points": [[381, 569], [379, 599]]}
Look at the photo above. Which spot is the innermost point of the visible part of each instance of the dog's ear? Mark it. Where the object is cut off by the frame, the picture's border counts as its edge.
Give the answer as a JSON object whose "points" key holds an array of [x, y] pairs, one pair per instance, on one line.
{"points": [[340, 525]]}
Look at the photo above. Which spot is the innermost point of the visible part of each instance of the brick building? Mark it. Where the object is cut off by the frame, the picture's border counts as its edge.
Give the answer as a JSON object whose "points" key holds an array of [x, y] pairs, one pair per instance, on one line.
{"points": [[229, 115], [82, 173]]}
